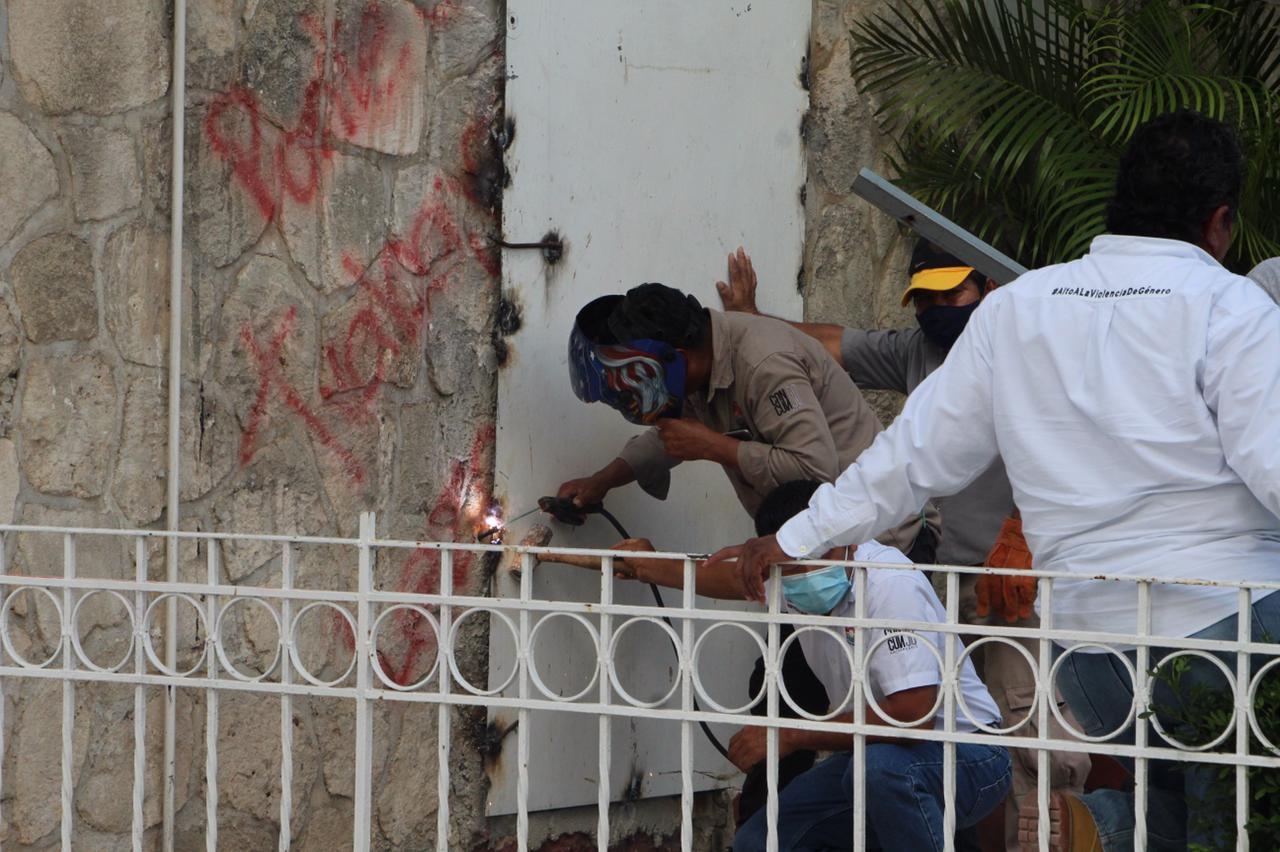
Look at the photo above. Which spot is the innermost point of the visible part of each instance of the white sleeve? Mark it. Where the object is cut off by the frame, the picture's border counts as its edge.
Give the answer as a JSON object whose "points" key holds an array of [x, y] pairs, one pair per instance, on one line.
{"points": [[942, 441], [1242, 389], [904, 659]]}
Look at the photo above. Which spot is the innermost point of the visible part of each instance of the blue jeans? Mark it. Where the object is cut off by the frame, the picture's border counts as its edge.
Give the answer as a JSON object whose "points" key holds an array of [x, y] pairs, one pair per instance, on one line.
{"points": [[1100, 693], [904, 799]]}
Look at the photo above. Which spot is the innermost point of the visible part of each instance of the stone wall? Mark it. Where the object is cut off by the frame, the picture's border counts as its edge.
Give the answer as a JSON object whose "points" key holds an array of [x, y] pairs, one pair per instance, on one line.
{"points": [[343, 179], [855, 259], [342, 183]]}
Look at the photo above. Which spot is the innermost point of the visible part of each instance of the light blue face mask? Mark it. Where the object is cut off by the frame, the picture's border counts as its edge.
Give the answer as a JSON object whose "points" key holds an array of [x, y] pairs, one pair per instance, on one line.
{"points": [[817, 592]]}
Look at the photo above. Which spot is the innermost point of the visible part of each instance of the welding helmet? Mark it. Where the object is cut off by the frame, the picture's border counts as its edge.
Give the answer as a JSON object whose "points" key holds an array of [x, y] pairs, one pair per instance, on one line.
{"points": [[643, 379]]}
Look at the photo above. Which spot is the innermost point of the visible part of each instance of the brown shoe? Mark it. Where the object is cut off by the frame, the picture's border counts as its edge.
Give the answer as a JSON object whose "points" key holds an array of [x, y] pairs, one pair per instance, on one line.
{"points": [[1071, 826]]}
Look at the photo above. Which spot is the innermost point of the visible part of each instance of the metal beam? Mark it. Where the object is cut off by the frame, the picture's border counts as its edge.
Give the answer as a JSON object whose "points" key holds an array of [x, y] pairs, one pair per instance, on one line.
{"points": [[936, 228]]}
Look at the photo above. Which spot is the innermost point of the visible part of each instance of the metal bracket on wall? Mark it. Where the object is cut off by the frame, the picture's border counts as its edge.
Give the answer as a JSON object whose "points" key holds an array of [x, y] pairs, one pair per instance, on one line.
{"points": [[551, 244], [936, 228]]}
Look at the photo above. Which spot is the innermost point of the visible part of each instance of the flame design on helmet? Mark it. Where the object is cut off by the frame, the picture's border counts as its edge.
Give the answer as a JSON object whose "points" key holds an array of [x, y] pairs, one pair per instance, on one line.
{"points": [[638, 380]]}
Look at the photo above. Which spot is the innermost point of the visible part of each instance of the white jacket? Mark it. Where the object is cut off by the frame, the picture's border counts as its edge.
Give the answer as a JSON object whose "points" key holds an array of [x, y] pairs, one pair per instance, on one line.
{"points": [[1134, 396]]}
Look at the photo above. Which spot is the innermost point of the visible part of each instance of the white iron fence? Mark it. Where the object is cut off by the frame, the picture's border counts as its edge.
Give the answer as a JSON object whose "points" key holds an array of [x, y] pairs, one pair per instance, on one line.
{"points": [[77, 618]]}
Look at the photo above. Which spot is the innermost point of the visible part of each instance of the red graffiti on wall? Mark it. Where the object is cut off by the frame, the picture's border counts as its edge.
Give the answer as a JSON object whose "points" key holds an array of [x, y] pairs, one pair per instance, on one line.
{"points": [[359, 96], [272, 378], [454, 515], [397, 292], [441, 13], [350, 93]]}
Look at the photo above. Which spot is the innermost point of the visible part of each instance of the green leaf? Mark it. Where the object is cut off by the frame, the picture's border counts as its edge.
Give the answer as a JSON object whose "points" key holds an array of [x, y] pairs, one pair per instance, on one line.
{"points": [[1012, 115]]}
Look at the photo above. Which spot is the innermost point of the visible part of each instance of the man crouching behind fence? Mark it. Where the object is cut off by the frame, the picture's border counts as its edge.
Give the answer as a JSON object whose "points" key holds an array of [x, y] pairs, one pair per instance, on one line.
{"points": [[904, 779]]}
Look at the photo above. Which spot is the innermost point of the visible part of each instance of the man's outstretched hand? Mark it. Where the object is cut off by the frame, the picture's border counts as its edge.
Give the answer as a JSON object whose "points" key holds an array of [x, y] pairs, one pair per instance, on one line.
{"points": [[740, 293], [754, 558]]}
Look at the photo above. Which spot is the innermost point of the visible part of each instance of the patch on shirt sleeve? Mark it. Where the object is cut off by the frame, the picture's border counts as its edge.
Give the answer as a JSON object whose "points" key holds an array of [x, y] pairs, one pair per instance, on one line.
{"points": [[900, 640], [785, 400]]}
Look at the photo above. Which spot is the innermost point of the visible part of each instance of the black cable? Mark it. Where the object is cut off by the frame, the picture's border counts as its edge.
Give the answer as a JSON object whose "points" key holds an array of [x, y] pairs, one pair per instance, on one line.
{"points": [[657, 596]]}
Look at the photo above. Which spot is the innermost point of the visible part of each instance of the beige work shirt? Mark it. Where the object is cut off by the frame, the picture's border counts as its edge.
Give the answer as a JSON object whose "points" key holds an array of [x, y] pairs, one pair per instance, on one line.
{"points": [[806, 417]]}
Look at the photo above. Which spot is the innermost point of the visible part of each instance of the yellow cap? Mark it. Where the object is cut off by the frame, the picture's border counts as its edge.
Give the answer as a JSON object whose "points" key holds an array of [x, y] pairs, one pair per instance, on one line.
{"points": [[938, 280]]}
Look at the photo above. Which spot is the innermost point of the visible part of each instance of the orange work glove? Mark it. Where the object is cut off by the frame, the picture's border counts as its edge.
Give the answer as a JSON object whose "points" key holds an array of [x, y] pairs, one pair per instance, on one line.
{"points": [[1010, 596]]}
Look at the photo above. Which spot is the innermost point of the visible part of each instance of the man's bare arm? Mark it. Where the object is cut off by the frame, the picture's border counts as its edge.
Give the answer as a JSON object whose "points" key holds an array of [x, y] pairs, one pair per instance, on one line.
{"points": [[748, 746], [717, 581], [739, 294]]}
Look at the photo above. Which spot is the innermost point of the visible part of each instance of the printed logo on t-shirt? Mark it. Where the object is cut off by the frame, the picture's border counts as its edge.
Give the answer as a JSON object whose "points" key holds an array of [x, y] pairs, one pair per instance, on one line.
{"points": [[1123, 293], [899, 640], [785, 400]]}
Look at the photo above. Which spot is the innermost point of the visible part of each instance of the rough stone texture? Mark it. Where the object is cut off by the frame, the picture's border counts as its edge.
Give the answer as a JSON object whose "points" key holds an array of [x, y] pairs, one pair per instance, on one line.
{"points": [[457, 115], [28, 177], [438, 422], [380, 99], [68, 424], [353, 452], [302, 117], [249, 762], [329, 829], [53, 284], [428, 209], [456, 362], [279, 492], [211, 39], [101, 798], [9, 480], [99, 56], [104, 557], [37, 780], [224, 155], [138, 486], [157, 165], [855, 256], [284, 40], [342, 226], [10, 363], [265, 352], [469, 35], [265, 309], [334, 723], [135, 284], [376, 336], [405, 815], [104, 171], [209, 444]]}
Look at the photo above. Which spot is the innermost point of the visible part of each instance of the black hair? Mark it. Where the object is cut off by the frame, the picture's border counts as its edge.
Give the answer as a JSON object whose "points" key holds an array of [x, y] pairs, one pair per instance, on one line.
{"points": [[658, 312], [782, 504], [1177, 169]]}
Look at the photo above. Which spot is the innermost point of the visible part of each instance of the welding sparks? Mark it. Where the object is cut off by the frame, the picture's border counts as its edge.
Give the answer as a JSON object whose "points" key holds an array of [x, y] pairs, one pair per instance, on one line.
{"points": [[492, 531]]}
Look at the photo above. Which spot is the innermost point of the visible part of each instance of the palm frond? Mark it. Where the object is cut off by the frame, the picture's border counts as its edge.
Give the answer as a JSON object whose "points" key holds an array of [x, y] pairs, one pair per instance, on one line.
{"points": [[1011, 116], [1250, 46], [1151, 62]]}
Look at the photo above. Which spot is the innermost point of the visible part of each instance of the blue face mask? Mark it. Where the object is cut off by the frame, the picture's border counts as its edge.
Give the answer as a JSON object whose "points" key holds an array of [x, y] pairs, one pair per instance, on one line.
{"points": [[817, 592]]}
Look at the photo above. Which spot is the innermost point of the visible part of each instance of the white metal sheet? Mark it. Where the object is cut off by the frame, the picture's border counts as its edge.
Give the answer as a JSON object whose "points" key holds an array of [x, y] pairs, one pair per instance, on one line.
{"points": [[655, 138]]}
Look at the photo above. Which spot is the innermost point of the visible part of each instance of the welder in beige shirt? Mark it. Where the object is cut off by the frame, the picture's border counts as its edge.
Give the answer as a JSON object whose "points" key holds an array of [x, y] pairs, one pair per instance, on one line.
{"points": [[763, 400]]}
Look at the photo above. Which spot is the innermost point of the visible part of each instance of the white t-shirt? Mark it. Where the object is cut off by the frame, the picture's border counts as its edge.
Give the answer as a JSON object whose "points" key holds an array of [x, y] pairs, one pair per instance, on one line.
{"points": [[1135, 399], [903, 660]]}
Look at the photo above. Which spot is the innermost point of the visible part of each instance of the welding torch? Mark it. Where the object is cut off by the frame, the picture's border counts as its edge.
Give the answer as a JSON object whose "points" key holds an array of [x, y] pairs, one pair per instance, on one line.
{"points": [[564, 510]]}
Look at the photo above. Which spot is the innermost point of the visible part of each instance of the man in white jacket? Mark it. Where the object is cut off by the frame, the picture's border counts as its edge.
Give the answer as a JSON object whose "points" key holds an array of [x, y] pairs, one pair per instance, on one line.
{"points": [[1134, 397]]}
